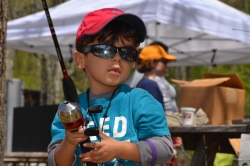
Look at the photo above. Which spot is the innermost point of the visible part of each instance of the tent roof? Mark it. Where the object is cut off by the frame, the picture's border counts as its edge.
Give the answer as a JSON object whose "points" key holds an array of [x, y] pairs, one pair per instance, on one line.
{"points": [[193, 29]]}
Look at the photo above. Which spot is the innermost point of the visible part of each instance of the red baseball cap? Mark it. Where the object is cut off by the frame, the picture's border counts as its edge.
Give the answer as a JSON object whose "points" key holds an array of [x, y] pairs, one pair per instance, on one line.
{"points": [[95, 21]]}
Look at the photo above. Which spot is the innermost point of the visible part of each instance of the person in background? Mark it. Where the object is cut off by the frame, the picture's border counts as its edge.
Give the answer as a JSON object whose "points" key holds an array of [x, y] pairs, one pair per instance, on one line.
{"points": [[168, 93], [167, 90], [152, 59], [152, 62], [133, 128]]}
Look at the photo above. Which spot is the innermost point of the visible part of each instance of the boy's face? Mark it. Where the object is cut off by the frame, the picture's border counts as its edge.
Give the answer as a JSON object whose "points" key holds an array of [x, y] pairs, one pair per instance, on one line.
{"points": [[105, 73]]}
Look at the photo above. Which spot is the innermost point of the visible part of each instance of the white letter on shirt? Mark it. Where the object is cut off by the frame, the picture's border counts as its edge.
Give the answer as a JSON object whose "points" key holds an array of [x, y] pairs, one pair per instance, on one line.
{"points": [[105, 127], [123, 121]]}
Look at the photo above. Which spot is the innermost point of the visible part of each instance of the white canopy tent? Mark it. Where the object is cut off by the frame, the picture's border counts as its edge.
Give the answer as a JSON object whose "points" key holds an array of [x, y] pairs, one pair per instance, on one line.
{"points": [[198, 32]]}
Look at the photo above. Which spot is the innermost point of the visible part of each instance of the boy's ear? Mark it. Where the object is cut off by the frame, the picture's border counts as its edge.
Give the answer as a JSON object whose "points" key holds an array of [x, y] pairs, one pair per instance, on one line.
{"points": [[79, 58], [133, 64]]}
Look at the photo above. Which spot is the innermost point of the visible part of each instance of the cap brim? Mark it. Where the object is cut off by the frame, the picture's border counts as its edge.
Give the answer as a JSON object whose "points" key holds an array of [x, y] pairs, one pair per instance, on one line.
{"points": [[170, 57], [136, 22]]}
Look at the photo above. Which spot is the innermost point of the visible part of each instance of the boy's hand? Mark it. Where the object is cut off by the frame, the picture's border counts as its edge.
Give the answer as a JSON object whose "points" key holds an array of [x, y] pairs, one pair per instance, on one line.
{"points": [[103, 151], [74, 138]]}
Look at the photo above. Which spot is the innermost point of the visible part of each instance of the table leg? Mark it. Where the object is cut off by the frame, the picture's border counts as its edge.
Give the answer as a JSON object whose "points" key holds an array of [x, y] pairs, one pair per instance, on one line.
{"points": [[205, 151]]}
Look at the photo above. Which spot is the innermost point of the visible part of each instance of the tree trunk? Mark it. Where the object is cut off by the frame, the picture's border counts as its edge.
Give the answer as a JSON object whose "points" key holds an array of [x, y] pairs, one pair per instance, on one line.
{"points": [[3, 27]]}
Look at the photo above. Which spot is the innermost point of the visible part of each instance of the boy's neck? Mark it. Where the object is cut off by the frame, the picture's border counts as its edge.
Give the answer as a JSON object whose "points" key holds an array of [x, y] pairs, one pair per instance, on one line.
{"points": [[103, 95], [101, 90]]}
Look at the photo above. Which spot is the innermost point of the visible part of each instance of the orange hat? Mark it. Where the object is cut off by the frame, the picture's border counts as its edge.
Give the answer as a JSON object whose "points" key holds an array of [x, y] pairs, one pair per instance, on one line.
{"points": [[154, 52]]}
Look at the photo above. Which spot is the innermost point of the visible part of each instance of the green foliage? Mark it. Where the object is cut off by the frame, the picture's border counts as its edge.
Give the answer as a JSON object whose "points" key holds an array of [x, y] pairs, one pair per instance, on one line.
{"points": [[27, 68], [80, 79], [20, 8]]}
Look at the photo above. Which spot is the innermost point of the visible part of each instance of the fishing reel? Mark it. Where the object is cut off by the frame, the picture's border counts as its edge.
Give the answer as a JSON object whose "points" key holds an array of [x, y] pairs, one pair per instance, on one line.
{"points": [[72, 117]]}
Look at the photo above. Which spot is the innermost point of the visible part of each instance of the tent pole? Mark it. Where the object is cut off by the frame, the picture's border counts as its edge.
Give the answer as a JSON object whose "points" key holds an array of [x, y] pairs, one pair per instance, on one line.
{"points": [[156, 31], [212, 61]]}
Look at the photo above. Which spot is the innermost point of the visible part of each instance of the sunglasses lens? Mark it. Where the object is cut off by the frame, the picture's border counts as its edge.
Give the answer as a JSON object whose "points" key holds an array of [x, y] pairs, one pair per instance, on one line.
{"points": [[129, 54], [104, 51]]}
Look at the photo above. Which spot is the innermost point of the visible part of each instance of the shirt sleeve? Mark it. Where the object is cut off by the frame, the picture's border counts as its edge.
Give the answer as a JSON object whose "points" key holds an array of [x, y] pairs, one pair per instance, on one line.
{"points": [[164, 150], [51, 153], [153, 88], [149, 117], [58, 134]]}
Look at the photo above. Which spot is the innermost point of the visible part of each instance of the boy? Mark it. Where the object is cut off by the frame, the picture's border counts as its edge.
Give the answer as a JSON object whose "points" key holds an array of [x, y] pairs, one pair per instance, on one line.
{"points": [[133, 128]]}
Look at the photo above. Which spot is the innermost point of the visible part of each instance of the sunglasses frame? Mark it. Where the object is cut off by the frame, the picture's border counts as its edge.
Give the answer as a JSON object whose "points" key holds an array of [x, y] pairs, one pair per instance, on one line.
{"points": [[90, 48]]}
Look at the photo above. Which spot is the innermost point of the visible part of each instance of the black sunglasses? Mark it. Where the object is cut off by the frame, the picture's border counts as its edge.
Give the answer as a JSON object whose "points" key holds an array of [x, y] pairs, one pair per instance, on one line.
{"points": [[106, 51]]}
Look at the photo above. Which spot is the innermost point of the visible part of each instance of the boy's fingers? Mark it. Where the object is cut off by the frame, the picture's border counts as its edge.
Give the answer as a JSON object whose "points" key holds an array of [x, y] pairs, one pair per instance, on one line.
{"points": [[102, 135], [90, 145]]}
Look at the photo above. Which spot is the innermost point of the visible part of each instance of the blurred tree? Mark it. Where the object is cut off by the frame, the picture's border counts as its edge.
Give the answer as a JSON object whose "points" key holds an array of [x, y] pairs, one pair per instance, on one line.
{"points": [[3, 25], [39, 72]]}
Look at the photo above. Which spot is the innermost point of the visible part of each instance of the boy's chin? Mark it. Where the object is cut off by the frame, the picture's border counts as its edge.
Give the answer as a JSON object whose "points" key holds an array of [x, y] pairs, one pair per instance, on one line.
{"points": [[115, 82]]}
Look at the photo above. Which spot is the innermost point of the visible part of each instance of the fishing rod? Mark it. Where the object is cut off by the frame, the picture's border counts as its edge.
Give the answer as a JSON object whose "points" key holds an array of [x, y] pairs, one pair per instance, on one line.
{"points": [[69, 109], [68, 85]]}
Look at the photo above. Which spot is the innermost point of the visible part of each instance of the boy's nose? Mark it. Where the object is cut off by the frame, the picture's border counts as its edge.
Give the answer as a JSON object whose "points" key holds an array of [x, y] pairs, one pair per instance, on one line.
{"points": [[117, 57]]}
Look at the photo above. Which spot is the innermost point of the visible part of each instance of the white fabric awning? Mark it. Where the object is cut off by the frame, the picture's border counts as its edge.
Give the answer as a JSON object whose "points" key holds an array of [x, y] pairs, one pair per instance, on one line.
{"points": [[197, 31]]}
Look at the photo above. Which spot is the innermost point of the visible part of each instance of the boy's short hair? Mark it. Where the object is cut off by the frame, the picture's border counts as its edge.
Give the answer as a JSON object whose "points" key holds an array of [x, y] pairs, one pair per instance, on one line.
{"points": [[114, 31], [94, 22]]}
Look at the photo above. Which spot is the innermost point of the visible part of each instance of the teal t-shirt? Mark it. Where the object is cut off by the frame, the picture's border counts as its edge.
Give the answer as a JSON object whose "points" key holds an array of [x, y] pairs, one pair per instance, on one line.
{"points": [[134, 114]]}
